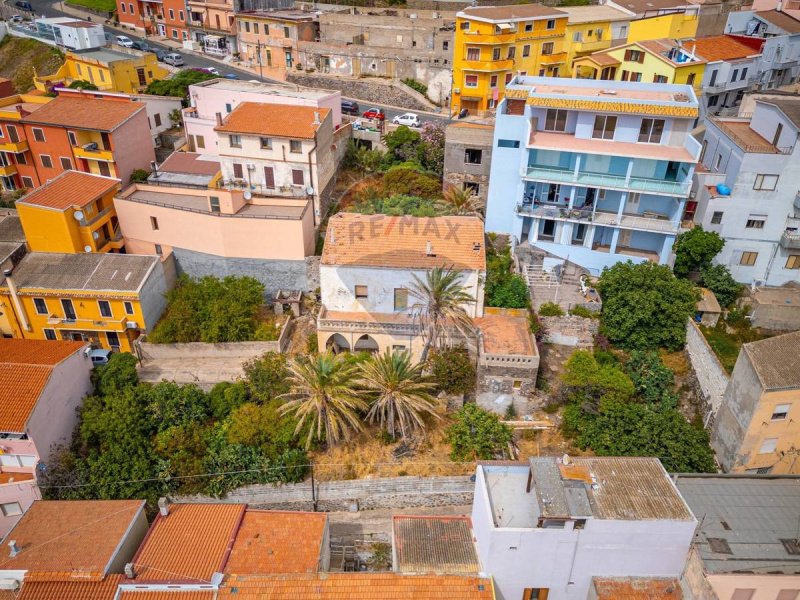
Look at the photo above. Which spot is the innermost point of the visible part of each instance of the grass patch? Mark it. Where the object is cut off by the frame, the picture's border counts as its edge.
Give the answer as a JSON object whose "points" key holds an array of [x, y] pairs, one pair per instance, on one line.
{"points": [[726, 344], [98, 5], [19, 57]]}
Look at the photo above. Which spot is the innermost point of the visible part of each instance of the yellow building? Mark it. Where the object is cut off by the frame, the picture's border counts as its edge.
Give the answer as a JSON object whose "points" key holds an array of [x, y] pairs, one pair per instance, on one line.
{"points": [[592, 29], [117, 70], [105, 299], [674, 26], [72, 213], [757, 426], [494, 43], [654, 61]]}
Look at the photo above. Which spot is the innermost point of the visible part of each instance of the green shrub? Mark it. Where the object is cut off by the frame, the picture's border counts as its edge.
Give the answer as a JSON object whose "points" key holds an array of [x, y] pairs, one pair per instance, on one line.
{"points": [[416, 86], [582, 311], [503, 289], [550, 309], [477, 434], [718, 279], [453, 370], [653, 380], [139, 176]]}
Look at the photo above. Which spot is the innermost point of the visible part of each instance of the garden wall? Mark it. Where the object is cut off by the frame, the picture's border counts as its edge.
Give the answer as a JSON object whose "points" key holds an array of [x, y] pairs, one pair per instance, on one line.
{"points": [[570, 330], [357, 494], [710, 373]]}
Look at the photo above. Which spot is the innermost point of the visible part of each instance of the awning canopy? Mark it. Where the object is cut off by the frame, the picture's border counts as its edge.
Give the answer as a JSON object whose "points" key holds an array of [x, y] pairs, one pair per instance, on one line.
{"points": [[504, 26]]}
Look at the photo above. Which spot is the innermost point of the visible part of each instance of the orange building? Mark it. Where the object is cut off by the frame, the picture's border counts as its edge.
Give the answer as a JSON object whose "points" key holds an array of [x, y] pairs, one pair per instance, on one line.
{"points": [[167, 18], [17, 169], [268, 39]]}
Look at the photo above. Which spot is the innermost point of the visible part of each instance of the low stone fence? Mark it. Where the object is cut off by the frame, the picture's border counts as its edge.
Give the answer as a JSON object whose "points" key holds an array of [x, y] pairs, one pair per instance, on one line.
{"points": [[357, 494], [711, 375], [570, 330]]}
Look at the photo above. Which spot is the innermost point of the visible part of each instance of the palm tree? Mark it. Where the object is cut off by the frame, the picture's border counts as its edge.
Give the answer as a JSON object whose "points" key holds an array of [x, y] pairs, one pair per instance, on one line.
{"points": [[323, 393], [440, 307], [401, 393], [461, 202]]}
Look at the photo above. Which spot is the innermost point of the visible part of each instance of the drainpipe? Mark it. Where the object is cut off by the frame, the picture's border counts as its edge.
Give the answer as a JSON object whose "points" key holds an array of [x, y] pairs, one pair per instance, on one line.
{"points": [[311, 179], [22, 317]]}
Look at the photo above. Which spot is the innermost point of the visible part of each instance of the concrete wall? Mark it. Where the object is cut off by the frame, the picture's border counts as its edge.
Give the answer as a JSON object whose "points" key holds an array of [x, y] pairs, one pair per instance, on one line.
{"points": [[366, 90], [570, 330], [733, 417], [767, 587], [694, 583], [133, 146], [198, 350], [772, 315], [457, 171], [153, 292], [130, 544], [711, 375]]}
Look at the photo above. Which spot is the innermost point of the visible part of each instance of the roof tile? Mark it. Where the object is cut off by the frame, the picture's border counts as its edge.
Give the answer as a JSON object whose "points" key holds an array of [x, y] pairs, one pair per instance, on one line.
{"points": [[776, 360], [70, 188], [71, 590], [85, 113], [279, 120], [721, 47]]}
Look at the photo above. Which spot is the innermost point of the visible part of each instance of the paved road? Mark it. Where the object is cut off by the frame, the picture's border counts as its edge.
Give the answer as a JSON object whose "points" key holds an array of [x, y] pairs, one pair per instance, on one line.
{"points": [[52, 8]]}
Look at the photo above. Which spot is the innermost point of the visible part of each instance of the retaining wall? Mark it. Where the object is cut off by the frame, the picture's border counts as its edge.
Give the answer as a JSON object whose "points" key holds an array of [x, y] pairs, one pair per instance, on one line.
{"points": [[570, 330], [711, 375]]}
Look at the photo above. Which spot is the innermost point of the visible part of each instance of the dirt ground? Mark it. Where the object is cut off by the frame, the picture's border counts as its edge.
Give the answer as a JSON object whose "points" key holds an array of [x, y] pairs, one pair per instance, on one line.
{"points": [[20, 56]]}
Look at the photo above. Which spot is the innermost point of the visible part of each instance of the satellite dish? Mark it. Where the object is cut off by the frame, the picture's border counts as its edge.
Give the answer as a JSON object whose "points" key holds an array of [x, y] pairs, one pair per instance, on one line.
{"points": [[78, 215], [248, 194], [310, 191], [87, 248]]}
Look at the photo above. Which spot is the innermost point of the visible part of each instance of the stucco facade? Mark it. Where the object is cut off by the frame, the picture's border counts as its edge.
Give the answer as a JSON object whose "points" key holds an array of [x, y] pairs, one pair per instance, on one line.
{"points": [[468, 157]]}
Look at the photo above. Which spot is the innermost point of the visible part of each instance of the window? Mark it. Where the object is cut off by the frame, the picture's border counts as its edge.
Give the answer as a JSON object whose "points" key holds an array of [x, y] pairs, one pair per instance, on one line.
{"points": [[793, 262], [735, 74], [27, 182], [50, 334], [690, 79], [509, 76], [104, 170], [181, 15], [285, 32], [157, 119], [740, 594], [788, 595], [445, 45], [508, 143], [473, 156], [295, 146], [555, 120], [493, 81], [125, 10], [38, 134], [40, 305], [547, 48], [535, 593], [128, 307], [201, 141], [577, 36], [159, 250], [105, 308], [228, 107], [604, 126], [703, 149], [716, 218], [297, 177], [113, 339], [247, 26], [748, 259], [743, 75], [635, 76], [636, 56], [780, 412], [11, 509], [660, 79], [766, 183], [756, 221], [472, 187], [266, 28], [73, 140], [471, 81], [776, 138], [465, 26], [512, 52], [768, 446], [526, 50], [361, 291], [400, 298], [154, 223], [238, 172], [496, 54], [551, 24], [266, 143], [235, 141], [651, 130], [47, 162], [473, 53], [214, 203], [17, 460], [66, 163], [718, 162]]}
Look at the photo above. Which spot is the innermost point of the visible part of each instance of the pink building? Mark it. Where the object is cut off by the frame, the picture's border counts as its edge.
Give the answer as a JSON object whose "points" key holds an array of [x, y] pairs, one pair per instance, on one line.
{"points": [[42, 383], [213, 100]]}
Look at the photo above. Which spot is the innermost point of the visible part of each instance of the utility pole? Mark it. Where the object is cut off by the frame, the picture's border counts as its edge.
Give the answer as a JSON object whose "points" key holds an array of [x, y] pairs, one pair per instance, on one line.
{"points": [[260, 65]]}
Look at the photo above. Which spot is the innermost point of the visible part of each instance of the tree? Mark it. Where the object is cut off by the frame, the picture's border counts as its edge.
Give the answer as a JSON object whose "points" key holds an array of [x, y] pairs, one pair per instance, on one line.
{"points": [[399, 393], [503, 288], [461, 202], [178, 85], [439, 307], [478, 434], [363, 159], [266, 377], [718, 279], [653, 380], [323, 395], [80, 84], [225, 396], [645, 306], [431, 150], [117, 375], [694, 250], [453, 370], [588, 383], [403, 144], [406, 180], [170, 404]]}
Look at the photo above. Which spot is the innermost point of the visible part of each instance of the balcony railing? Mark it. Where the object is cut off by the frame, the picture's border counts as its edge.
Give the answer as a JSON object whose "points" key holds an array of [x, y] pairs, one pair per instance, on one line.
{"points": [[84, 222], [14, 147], [93, 152], [489, 65], [790, 240], [553, 59], [374, 325], [607, 181], [599, 217]]}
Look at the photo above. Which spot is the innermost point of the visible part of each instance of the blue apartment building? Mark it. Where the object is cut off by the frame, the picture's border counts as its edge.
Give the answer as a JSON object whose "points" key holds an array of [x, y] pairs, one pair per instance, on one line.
{"points": [[594, 172]]}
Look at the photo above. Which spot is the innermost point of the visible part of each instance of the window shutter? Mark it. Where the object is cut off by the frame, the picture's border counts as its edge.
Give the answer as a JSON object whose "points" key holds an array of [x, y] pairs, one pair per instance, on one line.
{"points": [[641, 57], [627, 54]]}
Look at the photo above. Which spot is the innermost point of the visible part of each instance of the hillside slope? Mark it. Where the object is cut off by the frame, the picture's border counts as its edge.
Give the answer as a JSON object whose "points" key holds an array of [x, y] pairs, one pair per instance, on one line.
{"points": [[20, 56]]}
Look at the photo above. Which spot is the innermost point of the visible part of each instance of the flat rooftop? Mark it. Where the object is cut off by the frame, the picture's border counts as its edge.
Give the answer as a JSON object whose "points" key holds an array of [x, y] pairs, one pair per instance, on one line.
{"points": [[268, 89], [174, 199], [186, 168], [506, 334], [741, 134]]}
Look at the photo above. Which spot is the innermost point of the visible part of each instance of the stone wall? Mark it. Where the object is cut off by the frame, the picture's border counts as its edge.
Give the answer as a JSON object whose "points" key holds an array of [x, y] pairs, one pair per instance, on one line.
{"points": [[710, 373], [358, 494], [570, 330], [312, 272], [378, 91]]}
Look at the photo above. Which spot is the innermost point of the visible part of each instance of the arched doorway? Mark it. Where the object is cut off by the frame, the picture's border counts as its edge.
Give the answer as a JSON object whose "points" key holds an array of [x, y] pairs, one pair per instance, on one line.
{"points": [[366, 344], [337, 343]]}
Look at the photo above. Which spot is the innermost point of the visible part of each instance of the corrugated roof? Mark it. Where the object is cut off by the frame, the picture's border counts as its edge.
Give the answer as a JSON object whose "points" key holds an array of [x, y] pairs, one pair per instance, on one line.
{"points": [[434, 545], [11, 228], [71, 590], [402, 242], [190, 544], [720, 47], [70, 188], [62, 540], [515, 12], [279, 120], [277, 542], [776, 360], [637, 588], [780, 19], [85, 113], [752, 514]]}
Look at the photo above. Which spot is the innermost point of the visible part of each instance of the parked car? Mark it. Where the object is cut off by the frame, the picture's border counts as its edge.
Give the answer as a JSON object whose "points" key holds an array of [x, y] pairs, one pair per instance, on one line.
{"points": [[231, 76], [174, 59], [212, 70], [17, 19], [374, 113], [161, 54], [24, 5], [350, 107], [124, 41], [409, 119], [140, 45], [99, 356]]}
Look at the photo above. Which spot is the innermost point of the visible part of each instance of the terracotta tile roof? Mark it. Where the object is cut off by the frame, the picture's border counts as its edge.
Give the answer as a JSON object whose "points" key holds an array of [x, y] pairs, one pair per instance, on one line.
{"points": [[781, 20], [720, 47], [401, 242], [167, 595], [190, 544], [601, 58], [357, 586], [85, 113], [277, 542], [776, 361], [435, 545], [512, 12], [503, 334], [70, 188], [62, 540], [660, 49], [25, 368], [632, 588], [641, 7], [71, 590], [279, 120]]}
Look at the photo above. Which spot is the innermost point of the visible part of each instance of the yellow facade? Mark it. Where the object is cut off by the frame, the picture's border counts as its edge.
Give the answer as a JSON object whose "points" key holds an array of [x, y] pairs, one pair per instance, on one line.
{"points": [[674, 26], [128, 75], [582, 39], [487, 54], [785, 458]]}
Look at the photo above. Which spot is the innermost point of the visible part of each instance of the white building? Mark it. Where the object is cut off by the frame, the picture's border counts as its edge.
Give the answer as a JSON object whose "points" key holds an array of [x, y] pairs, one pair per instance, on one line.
{"points": [[72, 33], [368, 265], [548, 528], [758, 160]]}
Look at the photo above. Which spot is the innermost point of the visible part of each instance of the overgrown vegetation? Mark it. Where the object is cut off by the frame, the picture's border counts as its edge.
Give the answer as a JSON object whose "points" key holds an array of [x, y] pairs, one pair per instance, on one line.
{"points": [[178, 86], [550, 309], [417, 86], [478, 434], [21, 57], [452, 370], [81, 84], [694, 250], [727, 337], [102, 6], [139, 176], [503, 288], [719, 280]]}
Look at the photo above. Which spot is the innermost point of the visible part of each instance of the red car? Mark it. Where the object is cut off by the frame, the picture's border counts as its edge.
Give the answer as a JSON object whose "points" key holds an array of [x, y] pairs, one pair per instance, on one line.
{"points": [[374, 113]]}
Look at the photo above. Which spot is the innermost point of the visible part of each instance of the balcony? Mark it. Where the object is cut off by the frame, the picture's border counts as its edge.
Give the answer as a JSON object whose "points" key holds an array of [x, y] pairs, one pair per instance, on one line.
{"points": [[729, 85], [15, 147], [790, 240], [84, 222], [553, 59], [365, 322], [93, 152], [507, 37], [591, 45], [488, 65], [7, 170], [607, 181], [658, 224]]}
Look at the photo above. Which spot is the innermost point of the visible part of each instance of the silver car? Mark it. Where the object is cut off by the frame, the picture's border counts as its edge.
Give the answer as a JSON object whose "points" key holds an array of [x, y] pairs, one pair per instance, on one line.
{"points": [[174, 59]]}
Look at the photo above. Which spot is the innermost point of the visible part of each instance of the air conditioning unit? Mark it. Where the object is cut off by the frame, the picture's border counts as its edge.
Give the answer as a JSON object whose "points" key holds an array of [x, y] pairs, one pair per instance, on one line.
{"points": [[132, 325]]}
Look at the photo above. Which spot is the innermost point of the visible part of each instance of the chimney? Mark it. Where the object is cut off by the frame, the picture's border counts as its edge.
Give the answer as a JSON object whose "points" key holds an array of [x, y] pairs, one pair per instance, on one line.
{"points": [[219, 118], [163, 507], [12, 289], [428, 248], [13, 549], [317, 120], [130, 571], [22, 112]]}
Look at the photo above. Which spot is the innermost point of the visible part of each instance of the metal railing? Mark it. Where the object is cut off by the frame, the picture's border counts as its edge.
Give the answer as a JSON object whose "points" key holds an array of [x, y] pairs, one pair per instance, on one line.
{"points": [[790, 240], [605, 180], [208, 212], [600, 217], [84, 222]]}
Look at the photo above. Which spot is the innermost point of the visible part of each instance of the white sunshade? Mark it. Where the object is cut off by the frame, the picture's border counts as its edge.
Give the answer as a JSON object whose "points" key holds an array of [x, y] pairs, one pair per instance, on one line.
{"points": [[504, 26]]}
